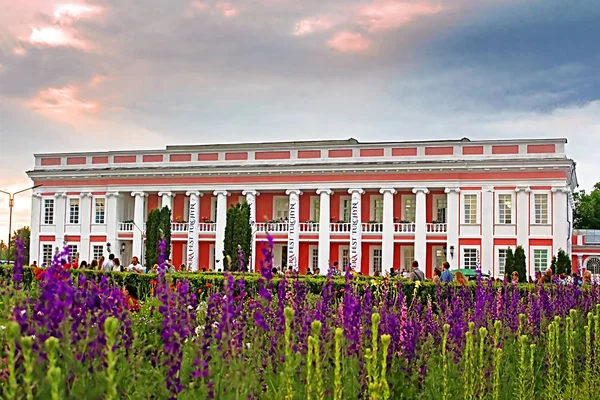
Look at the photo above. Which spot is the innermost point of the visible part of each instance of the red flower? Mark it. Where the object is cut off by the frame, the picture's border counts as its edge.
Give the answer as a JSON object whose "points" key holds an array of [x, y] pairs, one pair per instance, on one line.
{"points": [[178, 285], [153, 282], [207, 284], [199, 290], [342, 290]]}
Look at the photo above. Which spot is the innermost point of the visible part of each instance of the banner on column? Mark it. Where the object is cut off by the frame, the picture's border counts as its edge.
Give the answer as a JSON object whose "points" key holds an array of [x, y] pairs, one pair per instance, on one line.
{"points": [[293, 232], [355, 232], [192, 241]]}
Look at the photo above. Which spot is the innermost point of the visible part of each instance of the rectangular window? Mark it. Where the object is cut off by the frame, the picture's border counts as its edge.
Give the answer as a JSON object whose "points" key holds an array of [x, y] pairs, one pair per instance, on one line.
{"points": [[377, 209], [541, 208], [48, 211], [408, 256], [46, 254], [441, 206], [281, 208], [314, 258], [502, 260], [345, 257], [315, 211], [505, 209], [99, 210], [73, 211], [346, 205], [470, 258], [377, 260], [540, 260], [410, 210], [470, 207], [73, 251], [97, 252], [213, 209]]}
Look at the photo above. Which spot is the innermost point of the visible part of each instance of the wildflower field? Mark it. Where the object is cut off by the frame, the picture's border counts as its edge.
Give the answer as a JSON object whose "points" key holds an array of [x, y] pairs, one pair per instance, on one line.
{"points": [[66, 336]]}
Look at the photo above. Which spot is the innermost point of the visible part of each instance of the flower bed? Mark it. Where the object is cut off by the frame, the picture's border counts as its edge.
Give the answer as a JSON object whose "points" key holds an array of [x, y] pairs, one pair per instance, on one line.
{"points": [[69, 336]]}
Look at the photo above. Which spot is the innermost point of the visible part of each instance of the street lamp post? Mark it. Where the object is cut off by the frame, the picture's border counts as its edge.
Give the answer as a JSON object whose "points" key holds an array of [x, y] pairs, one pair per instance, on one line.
{"points": [[11, 203]]}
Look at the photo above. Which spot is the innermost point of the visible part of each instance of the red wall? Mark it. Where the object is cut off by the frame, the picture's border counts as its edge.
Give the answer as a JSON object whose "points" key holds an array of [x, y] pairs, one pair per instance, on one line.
{"points": [[233, 198], [303, 257], [429, 261], [178, 205], [429, 208], [177, 254], [365, 206], [152, 202], [205, 205], [334, 251], [305, 207], [397, 254], [335, 206], [204, 255], [264, 207], [364, 260]]}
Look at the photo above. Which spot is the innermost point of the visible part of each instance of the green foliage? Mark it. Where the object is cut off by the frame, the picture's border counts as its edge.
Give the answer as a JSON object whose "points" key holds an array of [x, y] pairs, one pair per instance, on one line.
{"points": [[22, 233], [158, 227], [509, 264], [238, 234], [587, 209], [563, 263], [520, 264]]}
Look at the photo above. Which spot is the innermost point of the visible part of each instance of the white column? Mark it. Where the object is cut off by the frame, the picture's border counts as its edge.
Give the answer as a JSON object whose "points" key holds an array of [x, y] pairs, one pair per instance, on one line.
{"points": [[421, 226], [387, 245], [486, 257], [138, 220], [452, 225], [34, 237], [293, 248], [523, 220], [355, 228], [579, 263], [560, 222], [251, 200], [85, 220], [193, 225], [166, 199], [111, 219], [220, 234], [60, 210], [324, 230]]}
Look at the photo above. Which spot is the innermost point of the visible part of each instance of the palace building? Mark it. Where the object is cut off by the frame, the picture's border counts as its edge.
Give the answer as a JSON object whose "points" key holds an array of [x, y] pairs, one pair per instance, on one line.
{"points": [[372, 205]]}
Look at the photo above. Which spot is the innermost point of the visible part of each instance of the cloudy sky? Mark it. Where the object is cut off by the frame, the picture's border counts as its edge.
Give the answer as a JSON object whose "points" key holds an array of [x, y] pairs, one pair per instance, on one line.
{"points": [[130, 74]]}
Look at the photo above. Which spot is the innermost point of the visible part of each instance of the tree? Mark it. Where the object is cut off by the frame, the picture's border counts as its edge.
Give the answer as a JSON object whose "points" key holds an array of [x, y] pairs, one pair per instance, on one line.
{"points": [[158, 227], [587, 209], [22, 233], [509, 264], [3, 251], [563, 263], [520, 264], [238, 235]]}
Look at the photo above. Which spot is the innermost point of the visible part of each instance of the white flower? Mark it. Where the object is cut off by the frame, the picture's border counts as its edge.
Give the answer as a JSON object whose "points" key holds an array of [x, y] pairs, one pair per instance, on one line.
{"points": [[215, 325], [2, 327], [199, 329], [190, 307], [23, 312], [248, 345]]}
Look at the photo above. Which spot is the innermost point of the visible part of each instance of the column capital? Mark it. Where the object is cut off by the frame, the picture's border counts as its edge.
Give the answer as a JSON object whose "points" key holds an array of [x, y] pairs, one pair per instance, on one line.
{"points": [[452, 189], [293, 191], [140, 194], [524, 189], [420, 189], [193, 193], [60, 194], [221, 193], [487, 189], [328, 192], [167, 194], [83, 195], [38, 195], [561, 189], [356, 190], [387, 190], [112, 194], [250, 193]]}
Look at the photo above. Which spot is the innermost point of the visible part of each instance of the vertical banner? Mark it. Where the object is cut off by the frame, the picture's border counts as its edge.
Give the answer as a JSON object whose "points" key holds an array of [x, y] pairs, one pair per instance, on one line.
{"points": [[192, 240], [293, 229], [355, 229]]}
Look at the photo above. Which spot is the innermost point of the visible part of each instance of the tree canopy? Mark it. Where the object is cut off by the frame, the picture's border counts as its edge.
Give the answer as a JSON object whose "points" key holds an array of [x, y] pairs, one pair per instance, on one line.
{"points": [[587, 209], [238, 237]]}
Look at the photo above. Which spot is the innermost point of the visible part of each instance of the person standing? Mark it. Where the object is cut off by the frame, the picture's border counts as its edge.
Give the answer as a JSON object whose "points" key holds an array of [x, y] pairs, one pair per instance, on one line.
{"points": [[107, 266], [135, 266], [446, 274], [416, 274]]}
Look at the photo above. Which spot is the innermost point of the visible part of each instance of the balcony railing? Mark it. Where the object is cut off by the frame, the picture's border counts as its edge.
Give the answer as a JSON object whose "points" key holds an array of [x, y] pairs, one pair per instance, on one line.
{"points": [[179, 227], [272, 227], [207, 227], [309, 227], [372, 227], [125, 227], [404, 227], [339, 227], [436, 228]]}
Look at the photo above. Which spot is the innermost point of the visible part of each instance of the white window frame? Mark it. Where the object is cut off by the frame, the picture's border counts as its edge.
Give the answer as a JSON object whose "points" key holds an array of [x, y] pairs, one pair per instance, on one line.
{"points": [[73, 253], [48, 219], [533, 262], [315, 208], [95, 255], [312, 262], [464, 250], [344, 261], [372, 251], [345, 211], [211, 259], [373, 212], [497, 250], [408, 256], [74, 218], [95, 222], [413, 199], [549, 210], [42, 256], [499, 220], [436, 207], [463, 214], [213, 209], [277, 207]]}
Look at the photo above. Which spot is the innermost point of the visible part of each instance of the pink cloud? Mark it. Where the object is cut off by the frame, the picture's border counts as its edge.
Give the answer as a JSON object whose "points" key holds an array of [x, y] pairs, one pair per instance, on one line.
{"points": [[308, 26], [69, 12], [349, 42], [53, 36], [62, 103], [390, 14], [19, 51], [227, 9]]}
